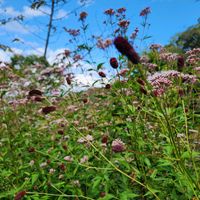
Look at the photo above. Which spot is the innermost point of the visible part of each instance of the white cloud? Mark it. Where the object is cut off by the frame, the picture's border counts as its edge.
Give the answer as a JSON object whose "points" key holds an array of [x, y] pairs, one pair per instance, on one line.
{"points": [[61, 14], [29, 13], [85, 2], [6, 55], [83, 80], [10, 11], [16, 27]]}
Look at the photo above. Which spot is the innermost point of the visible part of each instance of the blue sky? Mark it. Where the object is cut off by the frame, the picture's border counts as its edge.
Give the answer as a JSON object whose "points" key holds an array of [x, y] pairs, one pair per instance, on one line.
{"points": [[168, 17]]}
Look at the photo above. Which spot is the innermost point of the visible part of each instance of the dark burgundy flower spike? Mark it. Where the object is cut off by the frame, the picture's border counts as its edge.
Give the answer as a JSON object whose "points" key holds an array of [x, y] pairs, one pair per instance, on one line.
{"points": [[125, 48]]}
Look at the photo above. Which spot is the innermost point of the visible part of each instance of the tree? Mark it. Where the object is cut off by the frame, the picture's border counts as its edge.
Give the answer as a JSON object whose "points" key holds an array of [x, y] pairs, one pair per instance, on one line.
{"points": [[186, 40], [54, 7]]}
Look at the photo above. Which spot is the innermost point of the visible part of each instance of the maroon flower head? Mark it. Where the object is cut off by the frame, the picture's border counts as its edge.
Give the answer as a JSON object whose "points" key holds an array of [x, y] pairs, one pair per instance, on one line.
{"points": [[85, 100], [114, 63], [181, 92], [143, 90], [69, 80], [35, 92], [108, 86], [31, 149], [121, 10], [20, 195], [102, 74], [180, 63], [125, 48], [145, 11], [48, 109], [60, 132], [104, 138], [140, 81], [109, 12], [38, 98], [62, 167], [82, 16]]}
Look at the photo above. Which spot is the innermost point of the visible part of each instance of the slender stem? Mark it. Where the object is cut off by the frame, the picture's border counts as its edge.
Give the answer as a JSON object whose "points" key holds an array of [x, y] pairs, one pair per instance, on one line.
{"points": [[49, 27]]}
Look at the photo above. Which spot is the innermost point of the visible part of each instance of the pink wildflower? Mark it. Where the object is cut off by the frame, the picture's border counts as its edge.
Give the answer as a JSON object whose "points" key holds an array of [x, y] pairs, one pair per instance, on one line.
{"points": [[118, 146], [84, 159], [109, 12]]}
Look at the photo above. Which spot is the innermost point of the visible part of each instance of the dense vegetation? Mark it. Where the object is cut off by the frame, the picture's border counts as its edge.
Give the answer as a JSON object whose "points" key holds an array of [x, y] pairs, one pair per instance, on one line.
{"points": [[136, 137], [187, 40]]}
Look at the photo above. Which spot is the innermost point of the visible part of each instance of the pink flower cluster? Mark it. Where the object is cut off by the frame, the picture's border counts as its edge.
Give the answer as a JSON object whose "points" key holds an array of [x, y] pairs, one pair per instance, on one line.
{"points": [[134, 34], [118, 146], [155, 47], [109, 12], [197, 69], [150, 66], [103, 44], [145, 12], [73, 32], [123, 23], [168, 57], [160, 81], [193, 56]]}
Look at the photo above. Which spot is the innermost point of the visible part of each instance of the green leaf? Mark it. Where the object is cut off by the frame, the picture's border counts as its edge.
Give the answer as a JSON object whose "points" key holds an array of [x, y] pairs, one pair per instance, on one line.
{"points": [[99, 66], [131, 108], [187, 154], [128, 195], [96, 182], [107, 197], [147, 162], [34, 178]]}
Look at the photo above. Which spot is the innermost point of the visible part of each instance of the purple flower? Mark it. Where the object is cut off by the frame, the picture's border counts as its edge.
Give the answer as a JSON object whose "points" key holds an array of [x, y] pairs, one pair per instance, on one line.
{"points": [[118, 146]]}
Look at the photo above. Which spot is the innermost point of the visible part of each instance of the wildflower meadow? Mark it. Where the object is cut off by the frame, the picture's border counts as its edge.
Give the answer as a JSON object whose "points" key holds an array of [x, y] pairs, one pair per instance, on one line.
{"points": [[133, 132]]}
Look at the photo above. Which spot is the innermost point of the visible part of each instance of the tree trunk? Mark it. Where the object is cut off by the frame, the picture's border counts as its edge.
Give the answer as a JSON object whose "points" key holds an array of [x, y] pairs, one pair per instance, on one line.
{"points": [[49, 27]]}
